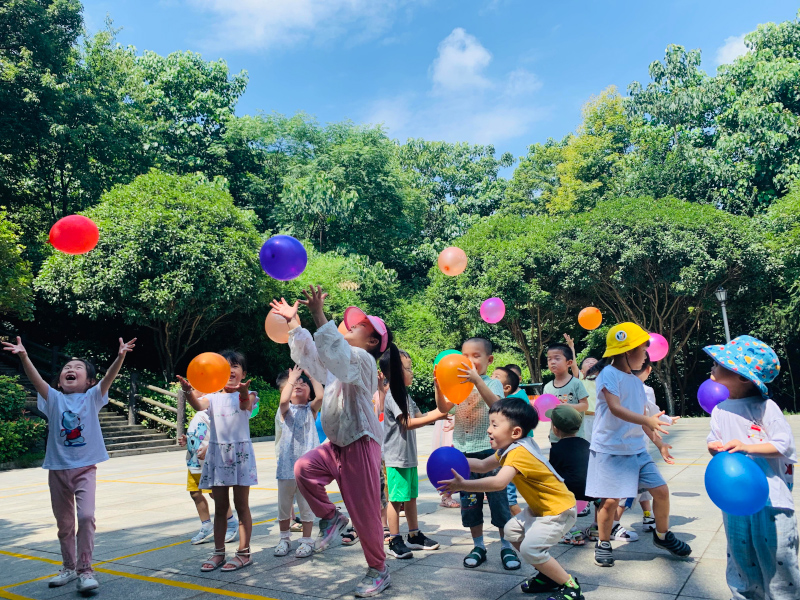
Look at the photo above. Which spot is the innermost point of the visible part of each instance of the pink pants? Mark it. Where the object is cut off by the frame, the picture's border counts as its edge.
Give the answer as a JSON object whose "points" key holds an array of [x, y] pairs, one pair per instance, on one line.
{"points": [[357, 470], [68, 488]]}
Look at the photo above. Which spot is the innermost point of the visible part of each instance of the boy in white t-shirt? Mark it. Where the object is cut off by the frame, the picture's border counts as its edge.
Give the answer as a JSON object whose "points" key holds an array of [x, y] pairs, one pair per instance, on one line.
{"points": [[762, 547], [196, 441]]}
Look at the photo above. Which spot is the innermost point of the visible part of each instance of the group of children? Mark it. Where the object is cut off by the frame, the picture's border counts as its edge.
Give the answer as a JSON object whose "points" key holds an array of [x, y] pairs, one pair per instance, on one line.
{"points": [[602, 462]]}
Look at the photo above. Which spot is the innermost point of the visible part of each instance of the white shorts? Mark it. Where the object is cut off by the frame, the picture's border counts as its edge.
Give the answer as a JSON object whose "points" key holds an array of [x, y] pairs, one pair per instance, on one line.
{"points": [[287, 494], [535, 535], [621, 475]]}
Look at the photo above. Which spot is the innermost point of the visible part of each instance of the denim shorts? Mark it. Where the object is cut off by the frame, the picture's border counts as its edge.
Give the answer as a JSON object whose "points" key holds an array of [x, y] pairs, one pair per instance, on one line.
{"points": [[511, 491], [472, 502], [621, 475]]}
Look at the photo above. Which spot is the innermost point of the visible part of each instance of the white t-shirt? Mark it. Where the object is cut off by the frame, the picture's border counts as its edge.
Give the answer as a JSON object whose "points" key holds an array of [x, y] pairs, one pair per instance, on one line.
{"points": [[758, 421], [230, 424], [197, 436], [610, 434], [75, 439], [651, 407]]}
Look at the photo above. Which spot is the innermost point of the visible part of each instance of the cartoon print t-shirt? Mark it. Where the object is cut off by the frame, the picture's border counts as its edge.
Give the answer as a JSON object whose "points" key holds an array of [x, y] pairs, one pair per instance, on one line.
{"points": [[74, 438], [197, 436]]}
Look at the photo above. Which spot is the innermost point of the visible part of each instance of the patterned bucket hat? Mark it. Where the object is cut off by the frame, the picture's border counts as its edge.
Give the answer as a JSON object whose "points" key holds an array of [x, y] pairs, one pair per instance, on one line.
{"points": [[748, 357]]}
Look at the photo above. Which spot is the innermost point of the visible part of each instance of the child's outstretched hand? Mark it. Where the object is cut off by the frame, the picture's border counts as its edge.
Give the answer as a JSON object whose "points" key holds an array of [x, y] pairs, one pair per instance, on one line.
{"points": [[243, 388], [294, 374], [452, 485], [664, 449], [182, 441], [734, 446], [570, 343], [284, 309], [468, 373], [657, 425], [17, 348], [185, 385], [125, 347], [315, 298]]}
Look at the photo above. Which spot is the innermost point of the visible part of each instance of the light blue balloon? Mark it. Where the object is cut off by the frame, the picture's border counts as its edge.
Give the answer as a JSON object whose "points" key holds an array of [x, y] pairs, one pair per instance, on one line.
{"points": [[736, 484], [320, 432]]}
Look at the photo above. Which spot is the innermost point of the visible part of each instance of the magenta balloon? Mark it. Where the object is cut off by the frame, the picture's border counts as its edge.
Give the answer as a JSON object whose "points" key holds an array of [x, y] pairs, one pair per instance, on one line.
{"points": [[659, 347], [710, 394], [544, 403], [493, 310]]}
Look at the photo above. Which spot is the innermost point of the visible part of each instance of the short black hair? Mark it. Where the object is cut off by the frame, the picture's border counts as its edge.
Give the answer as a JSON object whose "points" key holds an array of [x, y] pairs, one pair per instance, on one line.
{"points": [[564, 349], [519, 412], [516, 368], [91, 371], [235, 358], [487, 345], [513, 378]]}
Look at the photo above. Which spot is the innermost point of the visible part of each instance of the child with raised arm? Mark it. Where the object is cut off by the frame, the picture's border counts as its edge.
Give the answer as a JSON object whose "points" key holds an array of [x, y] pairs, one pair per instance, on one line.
{"points": [[74, 447], [551, 506], [347, 365], [230, 461], [299, 436], [619, 463], [566, 386], [469, 436], [762, 547], [400, 455]]}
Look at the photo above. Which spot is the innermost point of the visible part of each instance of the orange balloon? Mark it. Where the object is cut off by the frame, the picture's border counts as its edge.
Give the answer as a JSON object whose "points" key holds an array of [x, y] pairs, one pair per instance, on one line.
{"points": [[451, 379], [277, 328], [452, 261], [208, 372], [590, 318], [342, 329]]}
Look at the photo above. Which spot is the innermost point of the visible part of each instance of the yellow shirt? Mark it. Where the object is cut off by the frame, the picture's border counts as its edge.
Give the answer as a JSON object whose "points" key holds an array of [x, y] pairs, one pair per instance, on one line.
{"points": [[545, 494]]}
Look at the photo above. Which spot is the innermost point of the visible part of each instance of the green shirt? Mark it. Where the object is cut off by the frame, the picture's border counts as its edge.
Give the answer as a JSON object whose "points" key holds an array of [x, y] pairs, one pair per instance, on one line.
{"points": [[472, 419]]}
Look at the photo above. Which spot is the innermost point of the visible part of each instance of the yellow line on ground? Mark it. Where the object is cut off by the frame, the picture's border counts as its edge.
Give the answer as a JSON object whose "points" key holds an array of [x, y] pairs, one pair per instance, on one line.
{"points": [[17, 487], [29, 557], [142, 552], [47, 491], [29, 581], [12, 596]]}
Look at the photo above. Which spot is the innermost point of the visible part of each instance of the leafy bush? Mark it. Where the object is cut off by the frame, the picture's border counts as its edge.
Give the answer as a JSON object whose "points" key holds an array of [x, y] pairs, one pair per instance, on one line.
{"points": [[18, 437], [263, 424], [12, 398]]}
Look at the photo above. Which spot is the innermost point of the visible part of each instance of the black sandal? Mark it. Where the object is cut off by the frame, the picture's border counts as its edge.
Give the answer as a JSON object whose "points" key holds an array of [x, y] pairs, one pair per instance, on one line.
{"points": [[350, 537], [507, 555], [478, 554]]}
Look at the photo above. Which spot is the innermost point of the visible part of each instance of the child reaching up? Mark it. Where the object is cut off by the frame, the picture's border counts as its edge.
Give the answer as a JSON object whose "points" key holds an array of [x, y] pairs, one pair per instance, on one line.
{"points": [[299, 436], [762, 547], [551, 506], [566, 387], [230, 461], [469, 437], [400, 455], [74, 447], [347, 365], [619, 463], [196, 441]]}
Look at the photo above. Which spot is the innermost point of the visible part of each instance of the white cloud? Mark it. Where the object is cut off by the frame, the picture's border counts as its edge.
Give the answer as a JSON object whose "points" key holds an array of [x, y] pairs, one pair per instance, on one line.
{"points": [[258, 24], [731, 49], [460, 63], [465, 102]]}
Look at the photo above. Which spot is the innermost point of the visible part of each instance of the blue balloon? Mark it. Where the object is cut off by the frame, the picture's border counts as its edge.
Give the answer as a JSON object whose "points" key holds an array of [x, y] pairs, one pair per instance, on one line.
{"points": [[736, 484], [442, 460], [283, 257], [320, 432]]}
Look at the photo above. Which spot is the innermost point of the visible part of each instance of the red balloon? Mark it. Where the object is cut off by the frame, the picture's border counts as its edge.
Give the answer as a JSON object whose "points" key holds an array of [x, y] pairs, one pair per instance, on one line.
{"points": [[74, 234]]}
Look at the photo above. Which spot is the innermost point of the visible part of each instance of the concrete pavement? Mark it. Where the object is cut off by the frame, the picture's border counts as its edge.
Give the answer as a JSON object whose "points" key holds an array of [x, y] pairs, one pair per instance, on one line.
{"points": [[145, 519]]}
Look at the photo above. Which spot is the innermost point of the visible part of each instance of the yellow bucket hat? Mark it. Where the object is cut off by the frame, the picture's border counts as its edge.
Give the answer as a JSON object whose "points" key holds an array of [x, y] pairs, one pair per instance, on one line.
{"points": [[624, 337]]}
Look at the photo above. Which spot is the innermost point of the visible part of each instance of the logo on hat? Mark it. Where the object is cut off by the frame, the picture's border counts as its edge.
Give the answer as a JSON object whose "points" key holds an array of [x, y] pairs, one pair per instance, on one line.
{"points": [[621, 336]]}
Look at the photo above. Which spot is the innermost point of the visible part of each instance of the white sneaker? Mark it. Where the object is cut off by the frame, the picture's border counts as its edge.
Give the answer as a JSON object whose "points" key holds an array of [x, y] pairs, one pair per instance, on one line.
{"points": [[205, 534], [621, 534], [648, 523], [232, 532], [63, 578], [283, 547], [87, 583], [304, 550], [373, 583]]}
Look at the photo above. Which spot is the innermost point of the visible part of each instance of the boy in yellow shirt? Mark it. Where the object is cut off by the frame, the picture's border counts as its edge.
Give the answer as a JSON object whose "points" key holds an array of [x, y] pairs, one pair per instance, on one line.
{"points": [[551, 506]]}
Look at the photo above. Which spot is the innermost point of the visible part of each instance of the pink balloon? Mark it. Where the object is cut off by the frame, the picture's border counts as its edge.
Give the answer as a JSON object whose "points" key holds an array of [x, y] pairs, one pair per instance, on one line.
{"points": [[492, 310], [659, 347], [581, 505], [544, 403]]}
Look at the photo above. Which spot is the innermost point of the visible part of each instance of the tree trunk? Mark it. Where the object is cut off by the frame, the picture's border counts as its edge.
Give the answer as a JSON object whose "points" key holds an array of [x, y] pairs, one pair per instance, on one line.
{"points": [[668, 391]]}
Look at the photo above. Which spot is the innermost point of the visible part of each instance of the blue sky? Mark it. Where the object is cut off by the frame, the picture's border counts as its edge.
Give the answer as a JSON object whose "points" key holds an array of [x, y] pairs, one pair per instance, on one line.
{"points": [[502, 72]]}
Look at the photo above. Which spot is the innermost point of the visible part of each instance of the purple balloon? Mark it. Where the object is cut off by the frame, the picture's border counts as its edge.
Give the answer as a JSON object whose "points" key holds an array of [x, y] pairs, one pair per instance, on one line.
{"points": [[442, 460], [493, 310], [283, 257], [710, 394]]}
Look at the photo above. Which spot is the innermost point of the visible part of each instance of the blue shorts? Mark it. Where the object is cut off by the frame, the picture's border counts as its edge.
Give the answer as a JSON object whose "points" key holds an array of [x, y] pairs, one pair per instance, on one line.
{"points": [[511, 492], [621, 475], [472, 502]]}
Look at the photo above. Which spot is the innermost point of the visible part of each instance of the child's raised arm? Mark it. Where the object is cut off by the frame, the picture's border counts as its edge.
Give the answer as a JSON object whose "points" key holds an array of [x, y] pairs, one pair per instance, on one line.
{"points": [[195, 399], [286, 390], [319, 393], [442, 403], [619, 411], [471, 374], [420, 420], [113, 370], [576, 372], [33, 375], [494, 483], [301, 345]]}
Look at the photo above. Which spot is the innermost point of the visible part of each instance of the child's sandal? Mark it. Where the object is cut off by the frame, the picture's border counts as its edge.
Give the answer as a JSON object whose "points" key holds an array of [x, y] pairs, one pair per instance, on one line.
{"points": [[478, 554], [349, 538], [510, 559], [238, 562], [214, 563]]}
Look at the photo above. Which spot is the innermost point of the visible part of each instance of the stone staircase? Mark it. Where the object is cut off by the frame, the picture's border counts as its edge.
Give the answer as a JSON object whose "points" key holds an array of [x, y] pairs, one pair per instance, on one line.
{"points": [[120, 438]]}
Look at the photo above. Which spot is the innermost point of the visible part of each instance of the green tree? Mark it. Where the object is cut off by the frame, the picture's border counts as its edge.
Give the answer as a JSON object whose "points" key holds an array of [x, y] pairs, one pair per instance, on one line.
{"points": [[16, 292], [175, 256]]}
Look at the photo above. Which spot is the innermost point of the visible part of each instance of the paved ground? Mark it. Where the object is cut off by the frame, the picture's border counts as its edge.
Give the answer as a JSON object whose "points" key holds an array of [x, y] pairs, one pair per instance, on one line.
{"points": [[145, 518]]}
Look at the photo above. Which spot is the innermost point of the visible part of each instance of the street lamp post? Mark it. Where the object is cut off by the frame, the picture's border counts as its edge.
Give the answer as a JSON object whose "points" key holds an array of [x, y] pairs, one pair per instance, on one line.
{"points": [[722, 297]]}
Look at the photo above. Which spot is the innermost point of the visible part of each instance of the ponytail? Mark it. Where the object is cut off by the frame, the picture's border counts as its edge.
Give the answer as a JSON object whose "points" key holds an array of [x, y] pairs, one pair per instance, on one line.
{"points": [[392, 368]]}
